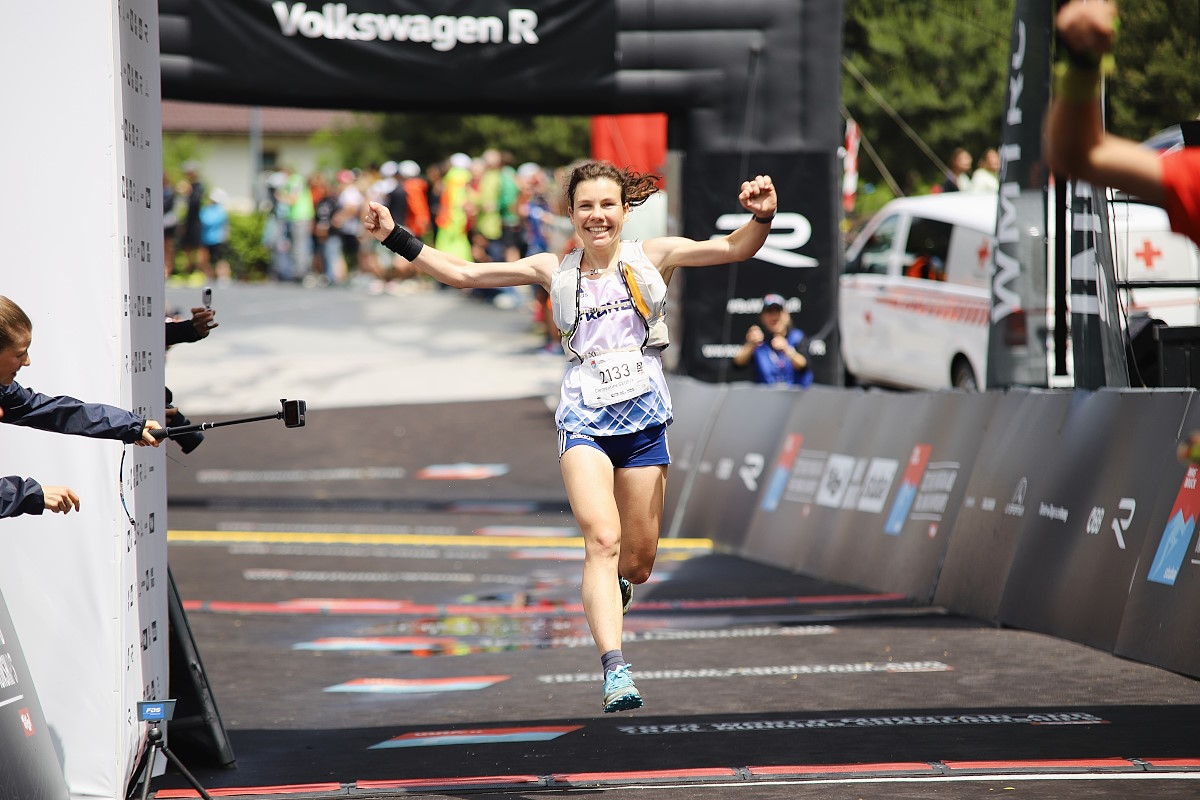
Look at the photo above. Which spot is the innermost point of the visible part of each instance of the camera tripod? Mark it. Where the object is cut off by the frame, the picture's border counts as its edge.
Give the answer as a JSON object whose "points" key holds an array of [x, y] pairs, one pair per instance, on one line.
{"points": [[156, 744]]}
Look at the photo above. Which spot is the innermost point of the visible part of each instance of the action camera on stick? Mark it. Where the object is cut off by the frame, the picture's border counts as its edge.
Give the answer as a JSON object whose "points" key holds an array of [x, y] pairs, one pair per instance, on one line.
{"points": [[292, 414]]}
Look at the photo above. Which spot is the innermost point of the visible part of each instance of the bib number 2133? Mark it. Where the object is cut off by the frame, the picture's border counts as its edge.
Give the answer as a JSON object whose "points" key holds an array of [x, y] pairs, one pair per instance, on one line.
{"points": [[612, 377]]}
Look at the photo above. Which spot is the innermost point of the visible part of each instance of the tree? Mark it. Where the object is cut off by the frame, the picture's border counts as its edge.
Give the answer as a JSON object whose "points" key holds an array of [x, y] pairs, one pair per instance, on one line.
{"points": [[941, 67], [1156, 83]]}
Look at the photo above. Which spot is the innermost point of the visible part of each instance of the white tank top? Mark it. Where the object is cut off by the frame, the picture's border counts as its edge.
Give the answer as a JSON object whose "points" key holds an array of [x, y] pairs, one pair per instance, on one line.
{"points": [[608, 321]]}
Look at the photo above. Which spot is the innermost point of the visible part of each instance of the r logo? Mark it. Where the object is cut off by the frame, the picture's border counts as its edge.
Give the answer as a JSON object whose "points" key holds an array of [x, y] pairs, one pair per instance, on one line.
{"points": [[779, 247]]}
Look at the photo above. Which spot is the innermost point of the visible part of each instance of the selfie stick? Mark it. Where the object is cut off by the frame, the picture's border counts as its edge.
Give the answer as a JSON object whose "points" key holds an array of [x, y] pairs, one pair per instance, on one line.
{"points": [[292, 413]]}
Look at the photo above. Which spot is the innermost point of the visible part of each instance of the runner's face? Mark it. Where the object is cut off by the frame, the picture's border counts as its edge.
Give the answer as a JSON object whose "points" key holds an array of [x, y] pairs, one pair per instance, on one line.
{"points": [[598, 214], [14, 357]]}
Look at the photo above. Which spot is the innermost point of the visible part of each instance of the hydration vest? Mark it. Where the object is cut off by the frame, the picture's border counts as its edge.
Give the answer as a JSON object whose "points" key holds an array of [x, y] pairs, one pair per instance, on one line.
{"points": [[645, 285]]}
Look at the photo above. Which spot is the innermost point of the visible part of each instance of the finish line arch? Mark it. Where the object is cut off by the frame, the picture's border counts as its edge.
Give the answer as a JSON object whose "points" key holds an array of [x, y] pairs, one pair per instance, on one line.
{"points": [[749, 87]]}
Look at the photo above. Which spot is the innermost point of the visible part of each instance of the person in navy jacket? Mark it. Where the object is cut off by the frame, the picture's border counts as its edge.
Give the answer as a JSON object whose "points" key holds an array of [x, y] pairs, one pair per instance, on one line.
{"points": [[61, 414]]}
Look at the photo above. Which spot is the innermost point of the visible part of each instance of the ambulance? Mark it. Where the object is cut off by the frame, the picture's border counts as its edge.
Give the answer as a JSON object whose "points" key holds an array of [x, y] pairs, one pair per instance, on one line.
{"points": [[914, 297]]}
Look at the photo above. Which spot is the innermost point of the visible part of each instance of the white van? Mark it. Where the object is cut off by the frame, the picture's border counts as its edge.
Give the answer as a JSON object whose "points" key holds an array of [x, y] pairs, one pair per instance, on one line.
{"points": [[914, 299]]}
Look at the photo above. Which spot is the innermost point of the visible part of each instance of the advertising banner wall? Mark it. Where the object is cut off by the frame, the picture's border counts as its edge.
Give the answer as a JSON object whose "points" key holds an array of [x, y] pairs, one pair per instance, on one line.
{"points": [[731, 468], [1162, 613], [695, 405], [1021, 436], [1087, 518], [85, 590], [857, 498], [894, 530], [782, 530], [1063, 512]]}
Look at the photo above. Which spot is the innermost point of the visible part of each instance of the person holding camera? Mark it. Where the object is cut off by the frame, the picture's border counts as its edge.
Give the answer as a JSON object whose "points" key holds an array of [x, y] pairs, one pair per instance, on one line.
{"points": [[62, 414], [609, 302], [780, 360]]}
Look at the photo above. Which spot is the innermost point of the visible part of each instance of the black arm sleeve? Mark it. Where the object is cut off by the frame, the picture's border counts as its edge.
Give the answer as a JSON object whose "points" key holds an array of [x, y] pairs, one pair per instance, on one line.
{"points": [[182, 331], [20, 497], [68, 415]]}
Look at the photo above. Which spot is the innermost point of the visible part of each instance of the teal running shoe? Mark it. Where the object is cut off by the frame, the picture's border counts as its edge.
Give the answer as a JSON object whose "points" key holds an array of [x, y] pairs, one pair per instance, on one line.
{"points": [[626, 594], [619, 692]]}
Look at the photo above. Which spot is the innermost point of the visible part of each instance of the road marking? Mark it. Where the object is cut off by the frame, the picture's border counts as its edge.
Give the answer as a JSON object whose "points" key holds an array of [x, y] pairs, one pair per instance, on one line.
{"points": [[542, 733], [299, 475], [463, 540], [891, 667], [467, 683]]}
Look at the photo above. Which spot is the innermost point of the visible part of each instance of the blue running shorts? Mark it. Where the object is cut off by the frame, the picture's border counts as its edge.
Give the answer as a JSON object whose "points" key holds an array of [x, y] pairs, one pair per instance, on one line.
{"points": [[646, 448]]}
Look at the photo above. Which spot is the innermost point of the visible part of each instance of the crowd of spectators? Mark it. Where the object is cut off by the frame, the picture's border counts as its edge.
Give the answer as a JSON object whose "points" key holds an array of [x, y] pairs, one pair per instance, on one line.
{"points": [[482, 208]]}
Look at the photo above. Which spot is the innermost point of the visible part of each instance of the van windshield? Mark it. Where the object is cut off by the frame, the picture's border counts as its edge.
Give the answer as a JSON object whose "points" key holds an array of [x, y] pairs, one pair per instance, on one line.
{"points": [[872, 256]]}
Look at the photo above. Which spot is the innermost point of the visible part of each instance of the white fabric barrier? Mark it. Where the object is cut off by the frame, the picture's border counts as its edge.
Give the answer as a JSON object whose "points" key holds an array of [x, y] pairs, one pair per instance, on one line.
{"points": [[87, 591]]}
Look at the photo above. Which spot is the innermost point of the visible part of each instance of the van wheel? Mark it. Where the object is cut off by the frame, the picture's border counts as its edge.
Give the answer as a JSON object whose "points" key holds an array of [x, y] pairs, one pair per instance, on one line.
{"points": [[963, 377]]}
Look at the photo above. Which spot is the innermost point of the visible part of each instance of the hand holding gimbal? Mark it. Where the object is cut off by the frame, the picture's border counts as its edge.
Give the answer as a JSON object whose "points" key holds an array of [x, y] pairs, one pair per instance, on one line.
{"points": [[292, 414]]}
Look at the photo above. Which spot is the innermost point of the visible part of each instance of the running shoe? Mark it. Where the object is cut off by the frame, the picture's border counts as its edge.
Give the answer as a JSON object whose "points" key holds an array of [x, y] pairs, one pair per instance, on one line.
{"points": [[626, 595], [619, 692]]}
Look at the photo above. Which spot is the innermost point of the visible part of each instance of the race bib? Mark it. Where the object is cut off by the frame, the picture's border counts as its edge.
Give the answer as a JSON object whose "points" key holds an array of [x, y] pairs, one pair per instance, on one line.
{"points": [[612, 377]]}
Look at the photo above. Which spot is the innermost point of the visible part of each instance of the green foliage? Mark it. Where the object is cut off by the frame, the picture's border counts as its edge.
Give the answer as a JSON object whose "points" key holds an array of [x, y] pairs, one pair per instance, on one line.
{"points": [[178, 148], [248, 258], [357, 144], [941, 67], [429, 138], [1157, 83]]}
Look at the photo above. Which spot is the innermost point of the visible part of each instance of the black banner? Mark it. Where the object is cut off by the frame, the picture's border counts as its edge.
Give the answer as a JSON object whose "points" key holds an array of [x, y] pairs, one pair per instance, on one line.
{"points": [[800, 260], [463, 56], [865, 501], [1021, 437], [29, 766], [780, 532], [1162, 613], [732, 467], [1087, 518], [695, 406], [1098, 347], [935, 449], [1016, 344]]}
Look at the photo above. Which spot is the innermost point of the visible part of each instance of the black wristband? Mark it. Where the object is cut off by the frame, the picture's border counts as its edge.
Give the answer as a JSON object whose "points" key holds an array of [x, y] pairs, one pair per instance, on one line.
{"points": [[403, 243], [763, 220]]}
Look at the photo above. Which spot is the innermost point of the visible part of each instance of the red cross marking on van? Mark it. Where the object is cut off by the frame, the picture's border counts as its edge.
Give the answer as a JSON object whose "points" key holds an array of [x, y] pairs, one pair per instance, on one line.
{"points": [[1148, 253]]}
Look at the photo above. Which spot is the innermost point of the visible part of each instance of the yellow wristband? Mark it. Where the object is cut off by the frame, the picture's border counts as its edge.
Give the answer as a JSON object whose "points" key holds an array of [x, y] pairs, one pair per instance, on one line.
{"points": [[1076, 84]]}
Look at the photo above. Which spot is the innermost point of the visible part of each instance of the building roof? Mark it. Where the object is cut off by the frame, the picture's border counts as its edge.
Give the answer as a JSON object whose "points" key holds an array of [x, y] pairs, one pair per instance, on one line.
{"points": [[216, 118]]}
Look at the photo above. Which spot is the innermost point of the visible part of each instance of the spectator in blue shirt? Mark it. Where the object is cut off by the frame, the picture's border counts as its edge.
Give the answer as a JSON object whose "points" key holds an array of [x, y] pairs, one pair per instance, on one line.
{"points": [[778, 351], [21, 406]]}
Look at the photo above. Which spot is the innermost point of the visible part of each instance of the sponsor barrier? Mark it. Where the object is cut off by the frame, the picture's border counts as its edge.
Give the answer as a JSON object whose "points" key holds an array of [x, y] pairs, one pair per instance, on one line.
{"points": [[726, 479], [695, 405], [1163, 609], [1084, 531], [1063, 512], [1022, 434]]}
